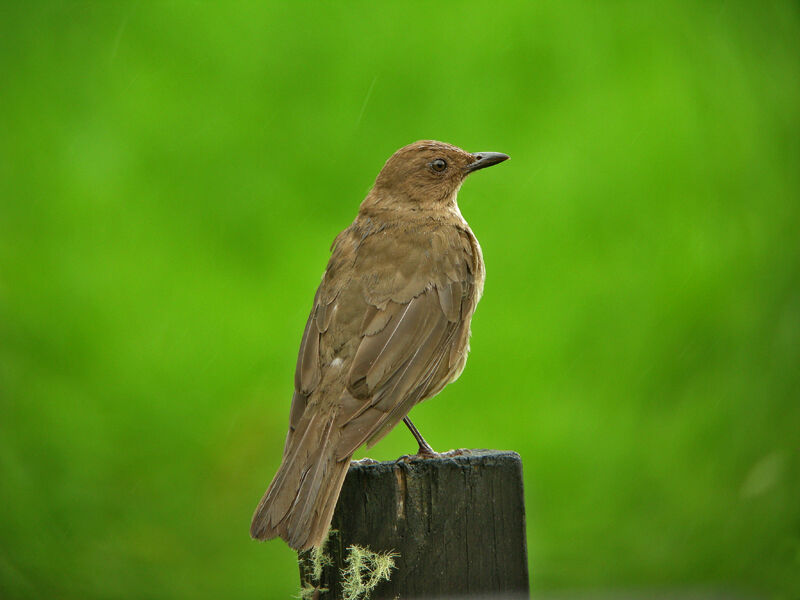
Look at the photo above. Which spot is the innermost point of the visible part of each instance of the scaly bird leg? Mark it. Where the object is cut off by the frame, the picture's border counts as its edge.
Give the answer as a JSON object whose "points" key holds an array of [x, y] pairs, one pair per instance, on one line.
{"points": [[424, 447]]}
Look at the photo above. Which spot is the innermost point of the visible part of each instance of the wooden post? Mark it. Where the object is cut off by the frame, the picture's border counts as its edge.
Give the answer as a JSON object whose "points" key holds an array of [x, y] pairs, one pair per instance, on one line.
{"points": [[457, 524]]}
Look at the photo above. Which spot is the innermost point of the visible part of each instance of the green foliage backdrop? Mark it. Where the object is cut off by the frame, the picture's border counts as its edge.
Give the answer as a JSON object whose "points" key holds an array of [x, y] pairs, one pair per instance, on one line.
{"points": [[172, 174]]}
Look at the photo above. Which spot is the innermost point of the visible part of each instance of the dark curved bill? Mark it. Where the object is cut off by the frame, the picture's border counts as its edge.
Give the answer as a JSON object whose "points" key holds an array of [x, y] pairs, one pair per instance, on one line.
{"points": [[485, 159]]}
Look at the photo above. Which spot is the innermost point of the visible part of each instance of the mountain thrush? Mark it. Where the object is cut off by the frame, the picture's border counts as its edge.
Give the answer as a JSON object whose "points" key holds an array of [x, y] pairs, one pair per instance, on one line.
{"points": [[389, 328]]}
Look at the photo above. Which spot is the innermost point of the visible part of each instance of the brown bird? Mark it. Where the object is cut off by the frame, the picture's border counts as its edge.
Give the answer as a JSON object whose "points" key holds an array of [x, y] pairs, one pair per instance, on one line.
{"points": [[388, 329]]}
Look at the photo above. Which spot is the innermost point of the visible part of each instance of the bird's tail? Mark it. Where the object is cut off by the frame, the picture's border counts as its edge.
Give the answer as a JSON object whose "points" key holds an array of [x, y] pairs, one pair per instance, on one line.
{"points": [[298, 505]]}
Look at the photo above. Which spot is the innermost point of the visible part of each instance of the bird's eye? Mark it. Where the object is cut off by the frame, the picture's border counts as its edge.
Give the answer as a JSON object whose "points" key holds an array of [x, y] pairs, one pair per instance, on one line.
{"points": [[439, 165]]}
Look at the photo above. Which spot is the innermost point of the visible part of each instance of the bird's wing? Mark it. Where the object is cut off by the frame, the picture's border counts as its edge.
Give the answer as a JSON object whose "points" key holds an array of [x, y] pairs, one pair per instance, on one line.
{"points": [[414, 336], [309, 370], [307, 373], [396, 310]]}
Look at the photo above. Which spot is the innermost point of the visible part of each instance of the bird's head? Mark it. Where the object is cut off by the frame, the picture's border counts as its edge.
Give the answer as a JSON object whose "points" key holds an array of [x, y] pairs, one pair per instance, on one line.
{"points": [[427, 174]]}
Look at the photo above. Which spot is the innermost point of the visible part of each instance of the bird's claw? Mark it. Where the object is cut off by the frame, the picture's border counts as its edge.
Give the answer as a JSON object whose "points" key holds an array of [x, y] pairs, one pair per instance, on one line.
{"points": [[430, 453], [364, 461], [427, 452], [456, 452]]}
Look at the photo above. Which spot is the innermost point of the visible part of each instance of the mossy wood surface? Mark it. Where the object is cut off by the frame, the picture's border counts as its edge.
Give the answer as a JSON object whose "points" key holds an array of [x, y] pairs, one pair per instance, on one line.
{"points": [[457, 524]]}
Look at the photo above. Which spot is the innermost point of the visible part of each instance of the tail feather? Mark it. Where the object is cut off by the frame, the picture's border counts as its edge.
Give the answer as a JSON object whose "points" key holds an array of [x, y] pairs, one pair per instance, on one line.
{"points": [[299, 503], [279, 498]]}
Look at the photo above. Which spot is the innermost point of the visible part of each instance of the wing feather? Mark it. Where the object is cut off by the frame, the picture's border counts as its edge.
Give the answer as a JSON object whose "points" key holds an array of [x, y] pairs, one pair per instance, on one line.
{"points": [[408, 339], [400, 365]]}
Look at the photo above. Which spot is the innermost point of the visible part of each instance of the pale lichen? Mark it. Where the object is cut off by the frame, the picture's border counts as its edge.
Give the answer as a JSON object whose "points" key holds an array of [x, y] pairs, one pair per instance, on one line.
{"points": [[364, 570], [319, 559], [314, 561], [310, 592]]}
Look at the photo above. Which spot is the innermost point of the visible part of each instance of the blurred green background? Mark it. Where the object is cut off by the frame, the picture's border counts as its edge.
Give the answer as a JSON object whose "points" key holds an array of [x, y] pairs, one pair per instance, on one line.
{"points": [[171, 177]]}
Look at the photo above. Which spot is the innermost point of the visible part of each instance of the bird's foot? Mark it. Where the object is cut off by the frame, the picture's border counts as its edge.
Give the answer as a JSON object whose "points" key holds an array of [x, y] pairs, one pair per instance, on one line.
{"points": [[430, 453], [457, 452], [364, 461], [425, 451], [409, 457]]}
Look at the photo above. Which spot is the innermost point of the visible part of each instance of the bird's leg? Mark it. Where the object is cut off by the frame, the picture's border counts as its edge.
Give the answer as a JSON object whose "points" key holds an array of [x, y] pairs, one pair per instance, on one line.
{"points": [[424, 447]]}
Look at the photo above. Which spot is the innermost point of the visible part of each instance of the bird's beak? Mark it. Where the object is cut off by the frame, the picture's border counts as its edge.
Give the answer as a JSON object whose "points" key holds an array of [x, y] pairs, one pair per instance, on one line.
{"points": [[485, 159]]}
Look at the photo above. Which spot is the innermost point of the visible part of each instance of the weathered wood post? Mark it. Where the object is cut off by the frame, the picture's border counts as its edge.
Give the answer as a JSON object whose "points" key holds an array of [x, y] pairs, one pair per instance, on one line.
{"points": [[456, 523]]}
